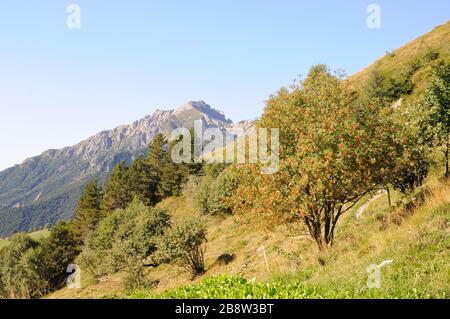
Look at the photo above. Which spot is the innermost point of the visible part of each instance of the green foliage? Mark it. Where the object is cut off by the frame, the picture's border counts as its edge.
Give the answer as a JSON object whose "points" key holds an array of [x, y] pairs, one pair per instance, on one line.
{"points": [[222, 190], [194, 168], [140, 181], [234, 287], [437, 104], [214, 193], [202, 193], [124, 239], [419, 250], [29, 269], [412, 165], [117, 190], [36, 216], [19, 269], [55, 254], [173, 175], [390, 86], [157, 153], [183, 243], [215, 169], [87, 215], [387, 88], [150, 180], [333, 151]]}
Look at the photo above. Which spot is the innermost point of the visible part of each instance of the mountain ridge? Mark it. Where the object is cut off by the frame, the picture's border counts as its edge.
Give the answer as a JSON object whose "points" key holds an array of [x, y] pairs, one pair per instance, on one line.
{"points": [[57, 176]]}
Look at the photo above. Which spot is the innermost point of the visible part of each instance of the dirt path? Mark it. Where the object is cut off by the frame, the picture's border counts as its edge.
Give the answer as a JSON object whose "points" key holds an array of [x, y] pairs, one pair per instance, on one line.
{"points": [[363, 208]]}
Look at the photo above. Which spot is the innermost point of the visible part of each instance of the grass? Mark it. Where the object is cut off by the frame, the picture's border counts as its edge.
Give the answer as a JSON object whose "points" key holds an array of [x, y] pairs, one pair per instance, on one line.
{"points": [[3, 243], [399, 59], [419, 245], [419, 248], [40, 234], [37, 235]]}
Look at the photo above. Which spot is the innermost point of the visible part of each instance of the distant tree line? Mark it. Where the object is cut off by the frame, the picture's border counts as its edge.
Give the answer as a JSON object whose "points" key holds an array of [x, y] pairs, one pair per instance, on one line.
{"points": [[116, 228]]}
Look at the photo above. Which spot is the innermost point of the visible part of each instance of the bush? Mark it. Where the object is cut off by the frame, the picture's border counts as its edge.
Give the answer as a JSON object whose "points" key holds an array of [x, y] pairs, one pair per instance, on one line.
{"points": [[213, 193], [19, 269], [202, 194], [411, 170], [183, 243], [215, 169], [123, 240], [55, 254], [430, 55], [222, 189]]}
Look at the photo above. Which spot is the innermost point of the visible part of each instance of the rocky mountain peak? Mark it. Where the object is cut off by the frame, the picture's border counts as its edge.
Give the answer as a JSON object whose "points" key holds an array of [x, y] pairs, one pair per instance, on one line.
{"points": [[201, 107], [56, 177]]}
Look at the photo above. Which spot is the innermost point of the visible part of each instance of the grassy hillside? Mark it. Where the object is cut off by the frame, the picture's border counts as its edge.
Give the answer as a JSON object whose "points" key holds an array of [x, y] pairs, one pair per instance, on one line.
{"points": [[414, 236], [37, 235], [418, 242], [408, 56]]}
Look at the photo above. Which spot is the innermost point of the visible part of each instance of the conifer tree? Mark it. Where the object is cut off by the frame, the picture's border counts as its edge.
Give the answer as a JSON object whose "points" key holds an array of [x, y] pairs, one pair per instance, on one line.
{"points": [[157, 154], [88, 212], [117, 190], [193, 167], [140, 181], [173, 175]]}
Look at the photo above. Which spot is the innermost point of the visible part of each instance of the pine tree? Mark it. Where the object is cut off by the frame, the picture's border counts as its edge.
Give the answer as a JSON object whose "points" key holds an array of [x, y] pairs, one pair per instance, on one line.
{"points": [[157, 151], [117, 190], [157, 155], [173, 176], [140, 181], [193, 167], [88, 212]]}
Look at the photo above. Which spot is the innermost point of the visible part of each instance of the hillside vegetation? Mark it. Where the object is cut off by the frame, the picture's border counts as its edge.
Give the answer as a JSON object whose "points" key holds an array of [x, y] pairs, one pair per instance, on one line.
{"points": [[418, 243], [407, 61], [37, 235], [359, 206]]}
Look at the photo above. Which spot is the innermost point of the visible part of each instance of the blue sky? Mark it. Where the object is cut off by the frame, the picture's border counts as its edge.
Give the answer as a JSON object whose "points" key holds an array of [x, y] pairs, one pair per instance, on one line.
{"points": [[60, 85]]}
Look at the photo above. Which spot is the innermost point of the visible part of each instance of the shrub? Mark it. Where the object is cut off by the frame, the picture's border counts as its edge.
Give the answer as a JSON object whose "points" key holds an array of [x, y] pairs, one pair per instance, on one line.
{"points": [[430, 55], [411, 170], [183, 243], [124, 239], [55, 254], [213, 193], [202, 194], [222, 189], [19, 269], [215, 169]]}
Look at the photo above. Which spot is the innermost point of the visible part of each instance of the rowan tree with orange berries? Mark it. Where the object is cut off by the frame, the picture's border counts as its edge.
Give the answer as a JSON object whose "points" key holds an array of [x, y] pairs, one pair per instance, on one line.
{"points": [[333, 151]]}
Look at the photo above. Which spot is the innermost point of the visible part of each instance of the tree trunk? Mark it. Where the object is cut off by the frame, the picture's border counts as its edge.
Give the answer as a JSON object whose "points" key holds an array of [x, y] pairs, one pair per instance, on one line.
{"points": [[389, 197], [315, 232]]}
